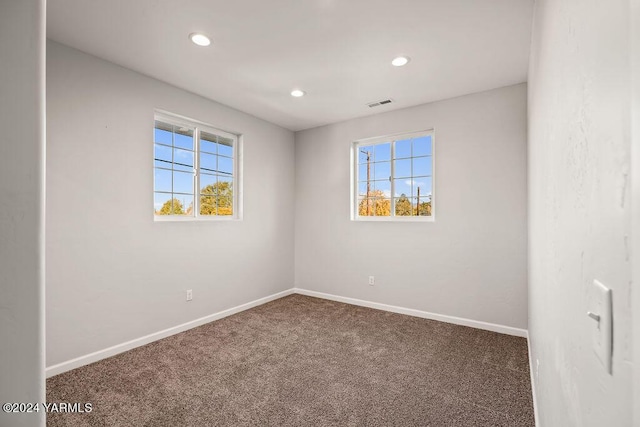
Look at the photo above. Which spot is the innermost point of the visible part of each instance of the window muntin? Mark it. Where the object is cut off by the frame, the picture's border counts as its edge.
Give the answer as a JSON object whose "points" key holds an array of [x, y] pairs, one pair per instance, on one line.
{"points": [[195, 170], [393, 177]]}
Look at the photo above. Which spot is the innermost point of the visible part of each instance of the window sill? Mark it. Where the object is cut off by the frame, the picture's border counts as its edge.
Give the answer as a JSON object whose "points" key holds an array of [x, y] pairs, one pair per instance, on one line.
{"points": [[394, 219], [175, 218]]}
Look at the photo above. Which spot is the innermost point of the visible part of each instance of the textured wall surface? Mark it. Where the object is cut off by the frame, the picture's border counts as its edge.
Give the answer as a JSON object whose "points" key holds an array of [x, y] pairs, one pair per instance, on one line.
{"points": [[113, 274], [470, 262], [22, 151], [579, 208]]}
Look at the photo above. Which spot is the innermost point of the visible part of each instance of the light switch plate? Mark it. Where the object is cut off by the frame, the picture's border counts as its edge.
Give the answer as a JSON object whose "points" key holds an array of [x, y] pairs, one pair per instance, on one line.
{"points": [[601, 318]]}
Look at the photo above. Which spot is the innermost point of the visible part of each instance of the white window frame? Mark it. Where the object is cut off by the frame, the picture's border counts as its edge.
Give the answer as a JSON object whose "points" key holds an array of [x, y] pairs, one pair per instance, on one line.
{"points": [[355, 148], [236, 176]]}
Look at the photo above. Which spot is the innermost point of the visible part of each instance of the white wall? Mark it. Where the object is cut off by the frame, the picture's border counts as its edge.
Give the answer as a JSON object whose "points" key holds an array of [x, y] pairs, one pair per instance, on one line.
{"points": [[635, 175], [22, 147], [579, 207], [113, 274], [470, 262]]}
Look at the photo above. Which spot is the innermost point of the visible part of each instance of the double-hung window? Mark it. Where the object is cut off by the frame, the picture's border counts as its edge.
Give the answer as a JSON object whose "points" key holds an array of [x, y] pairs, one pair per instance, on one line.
{"points": [[195, 170], [393, 177]]}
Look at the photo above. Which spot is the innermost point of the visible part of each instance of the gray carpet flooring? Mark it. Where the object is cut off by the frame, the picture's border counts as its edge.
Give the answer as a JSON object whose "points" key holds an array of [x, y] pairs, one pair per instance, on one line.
{"points": [[302, 361]]}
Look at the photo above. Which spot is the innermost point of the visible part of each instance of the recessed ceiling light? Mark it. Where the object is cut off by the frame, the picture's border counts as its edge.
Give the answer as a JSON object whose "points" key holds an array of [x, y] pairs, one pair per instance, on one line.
{"points": [[400, 61], [297, 93], [200, 39]]}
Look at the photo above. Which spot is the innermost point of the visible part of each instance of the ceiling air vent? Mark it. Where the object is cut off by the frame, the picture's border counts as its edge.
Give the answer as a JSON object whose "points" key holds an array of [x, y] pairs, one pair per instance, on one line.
{"points": [[378, 103]]}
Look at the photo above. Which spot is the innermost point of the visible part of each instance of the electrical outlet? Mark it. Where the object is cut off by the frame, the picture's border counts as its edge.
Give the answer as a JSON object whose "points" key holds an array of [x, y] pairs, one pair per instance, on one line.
{"points": [[189, 294], [372, 280]]}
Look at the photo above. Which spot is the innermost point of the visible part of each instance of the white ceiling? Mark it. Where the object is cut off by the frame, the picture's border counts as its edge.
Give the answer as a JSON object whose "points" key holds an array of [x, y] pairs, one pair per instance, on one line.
{"points": [[338, 51]]}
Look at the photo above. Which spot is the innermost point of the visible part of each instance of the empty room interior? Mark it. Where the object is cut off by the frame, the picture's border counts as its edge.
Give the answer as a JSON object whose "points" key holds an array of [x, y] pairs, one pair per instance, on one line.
{"points": [[322, 212]]}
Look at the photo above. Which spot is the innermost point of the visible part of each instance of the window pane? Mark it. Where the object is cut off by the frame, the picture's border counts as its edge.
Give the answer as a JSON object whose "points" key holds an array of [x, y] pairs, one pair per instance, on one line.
{"points": [[402, 187], [208, 162], [403, 206], [403, 149], [163, 133], [228, 179], [374, 206], [381, 188], [422, 146], [402, 168], [161, 203], [362, 188], [225, 147], [225, 210], [183, 182], [162, 156], [422, 183], [219, 186], [217, 199], [366, 207], [208, 205], [207, 182], [224, 187], [422, 166], [382, 152], [225, 195], [183, 137], [208, 142], [182, 160], [362, 172], [424, 208], [225, 165], [162, 180], [363, 152], [382, 170], [414, 207], [182, 204], [382, 207]]}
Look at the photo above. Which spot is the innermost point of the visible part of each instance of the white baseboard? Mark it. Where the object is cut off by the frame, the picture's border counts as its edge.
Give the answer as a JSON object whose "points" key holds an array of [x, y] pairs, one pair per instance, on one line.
{"points": [[120, 348], [418, 313], [533, 384]]}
